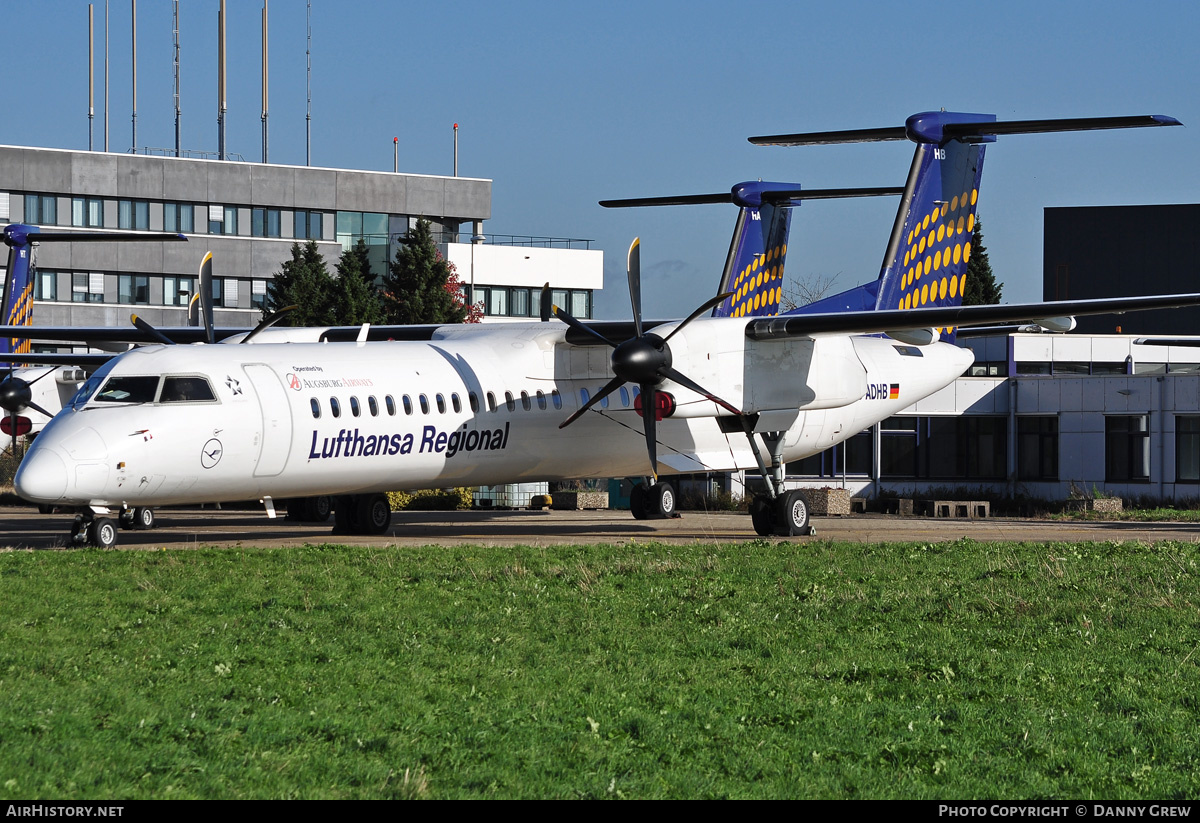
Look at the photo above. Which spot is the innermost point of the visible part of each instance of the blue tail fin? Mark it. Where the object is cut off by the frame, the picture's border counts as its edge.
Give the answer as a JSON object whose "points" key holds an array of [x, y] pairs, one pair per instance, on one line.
{"points": [[754, 266], [17, 308], [927, 253]]}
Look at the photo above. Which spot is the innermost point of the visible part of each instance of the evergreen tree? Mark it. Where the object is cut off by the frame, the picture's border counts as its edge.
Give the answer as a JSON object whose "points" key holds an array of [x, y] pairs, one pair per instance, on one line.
{"points": [[305, 283], [981, 288], [355, 296], [418, 286]]}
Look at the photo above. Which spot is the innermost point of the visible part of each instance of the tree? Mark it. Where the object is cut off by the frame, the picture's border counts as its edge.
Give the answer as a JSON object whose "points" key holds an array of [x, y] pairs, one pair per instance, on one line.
{"points": [[305, 283], [981, 288], [355, 295], [420, 286]]}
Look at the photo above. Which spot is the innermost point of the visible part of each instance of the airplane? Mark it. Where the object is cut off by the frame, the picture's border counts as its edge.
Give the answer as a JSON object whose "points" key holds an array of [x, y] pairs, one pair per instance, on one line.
{"points": [[478, 404]]}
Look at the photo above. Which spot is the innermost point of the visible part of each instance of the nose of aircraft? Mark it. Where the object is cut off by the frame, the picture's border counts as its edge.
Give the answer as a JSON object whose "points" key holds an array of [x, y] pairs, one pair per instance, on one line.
{"points": [[42, 477]]}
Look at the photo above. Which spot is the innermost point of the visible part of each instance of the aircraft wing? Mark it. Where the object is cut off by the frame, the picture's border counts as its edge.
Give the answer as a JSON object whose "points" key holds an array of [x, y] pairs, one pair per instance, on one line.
{"points": [[86, 361], [875, 322]]}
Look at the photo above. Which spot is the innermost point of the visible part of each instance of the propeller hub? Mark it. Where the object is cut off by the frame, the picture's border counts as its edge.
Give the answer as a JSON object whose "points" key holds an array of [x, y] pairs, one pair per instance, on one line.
{"points": [[640, 359], [15, 394]]}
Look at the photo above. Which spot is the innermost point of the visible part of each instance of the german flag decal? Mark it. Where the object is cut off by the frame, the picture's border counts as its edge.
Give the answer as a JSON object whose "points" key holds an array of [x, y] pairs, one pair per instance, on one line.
{"points": [[894, 391]]}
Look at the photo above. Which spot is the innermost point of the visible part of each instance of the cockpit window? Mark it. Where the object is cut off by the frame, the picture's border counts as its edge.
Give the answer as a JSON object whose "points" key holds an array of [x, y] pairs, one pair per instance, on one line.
{"points": [[128, 389], [186, 390]]}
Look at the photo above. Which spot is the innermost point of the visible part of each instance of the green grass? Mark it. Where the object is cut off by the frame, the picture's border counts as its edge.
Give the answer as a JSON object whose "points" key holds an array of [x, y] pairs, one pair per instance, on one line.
{"points": [[1151, 515], [960, 670]]}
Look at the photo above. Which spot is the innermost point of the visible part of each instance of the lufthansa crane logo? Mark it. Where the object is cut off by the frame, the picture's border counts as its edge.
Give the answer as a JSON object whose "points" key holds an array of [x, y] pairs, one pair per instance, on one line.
{"points": [[210, 454]]}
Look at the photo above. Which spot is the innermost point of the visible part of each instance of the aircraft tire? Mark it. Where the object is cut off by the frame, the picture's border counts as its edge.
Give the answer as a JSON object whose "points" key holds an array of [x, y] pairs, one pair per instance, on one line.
{"points": [[761, 509], [791, 514], [102, 533], [317, 509], [637, 502], [374, 513], [345, 514], [125, 519], [143, 518], [662, 500]]}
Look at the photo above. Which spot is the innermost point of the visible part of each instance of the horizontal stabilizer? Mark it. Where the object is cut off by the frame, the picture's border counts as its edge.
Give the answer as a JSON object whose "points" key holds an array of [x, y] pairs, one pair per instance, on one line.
{"points": [[938, 127], [777, 196], [878, 322]]}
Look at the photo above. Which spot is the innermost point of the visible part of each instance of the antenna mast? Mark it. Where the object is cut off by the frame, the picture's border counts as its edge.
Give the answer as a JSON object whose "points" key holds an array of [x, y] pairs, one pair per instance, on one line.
{"points": [[133, 16], [221, 81], [308, 115], [91, 75], [176, 34], [264, 79]]}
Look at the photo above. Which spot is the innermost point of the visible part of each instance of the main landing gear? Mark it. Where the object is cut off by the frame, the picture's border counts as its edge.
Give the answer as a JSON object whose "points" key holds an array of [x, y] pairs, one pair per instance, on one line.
{"points": [[361, 514], [776, 512], [310, 509], [653, 502]]}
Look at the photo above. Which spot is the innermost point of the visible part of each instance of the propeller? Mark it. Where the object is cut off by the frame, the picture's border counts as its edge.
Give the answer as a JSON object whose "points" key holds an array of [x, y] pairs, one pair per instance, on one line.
{"points": [[644, 359], [16, 395]]}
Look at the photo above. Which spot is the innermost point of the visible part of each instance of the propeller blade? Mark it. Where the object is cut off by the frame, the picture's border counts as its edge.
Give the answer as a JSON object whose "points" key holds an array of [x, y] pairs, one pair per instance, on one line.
{"points": [[206, 295], [609, 387], [547, 303], [147, 329], [687, 382], [633, 269], [269, 321], [720, 298], [649, 418], [39, 409], [575, 324]]}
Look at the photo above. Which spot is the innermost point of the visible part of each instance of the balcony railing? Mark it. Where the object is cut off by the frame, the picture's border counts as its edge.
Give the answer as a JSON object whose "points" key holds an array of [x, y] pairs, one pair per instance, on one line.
{"points": [[528, 241]]}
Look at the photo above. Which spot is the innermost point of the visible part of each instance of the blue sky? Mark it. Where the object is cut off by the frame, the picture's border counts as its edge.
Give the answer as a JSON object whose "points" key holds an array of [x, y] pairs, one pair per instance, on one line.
{"points": [[564, 104]]}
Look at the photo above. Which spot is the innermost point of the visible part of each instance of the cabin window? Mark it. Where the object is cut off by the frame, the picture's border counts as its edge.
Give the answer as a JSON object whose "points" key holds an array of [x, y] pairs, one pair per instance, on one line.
{"points": [[355, 409], [604, 402], [408, 406], [491, 398], [525, 402], [625, 397], [391, 405], [473, 399], [584, 397], [373, 406], [186, 390], [316, 408], [441, 403], [556, 399], [129, 389], [541, 398], [509, 401], [335, 407], [424, 404], [455, 403]]}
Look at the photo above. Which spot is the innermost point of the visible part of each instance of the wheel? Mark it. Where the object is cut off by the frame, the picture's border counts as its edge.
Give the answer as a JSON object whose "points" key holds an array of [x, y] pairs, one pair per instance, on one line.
{"points": [[661, 500], [637, 502], [345, 514], [293, 506], [143, 518], [316, 509], [125, 518], [102, 532], [791, 514], [374, 514], [760, 515], [45, 508]]}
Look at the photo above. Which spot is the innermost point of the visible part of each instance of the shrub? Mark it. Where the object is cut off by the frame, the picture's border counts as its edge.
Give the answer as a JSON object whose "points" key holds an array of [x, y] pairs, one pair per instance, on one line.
{"points": [[432, 499]]}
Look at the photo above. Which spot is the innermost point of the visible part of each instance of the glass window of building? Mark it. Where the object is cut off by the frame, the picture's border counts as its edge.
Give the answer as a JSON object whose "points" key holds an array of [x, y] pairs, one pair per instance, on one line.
{"points": [[218, 291], [306, 225], [45, 285], [133, 288], [41, 209], [133, 214], [371, 228], [1187, 448], [258, 294], [87, 287], [1127, 448], [264, 222], [87, 212], [179, 217], [178, 291], [1037, 448], [581, 303]]}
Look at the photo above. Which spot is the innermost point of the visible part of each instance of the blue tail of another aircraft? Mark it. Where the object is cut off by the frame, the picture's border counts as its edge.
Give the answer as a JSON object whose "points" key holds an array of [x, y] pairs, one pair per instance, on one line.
{"points": [[753, 272], [17, 308], [929, 249]]}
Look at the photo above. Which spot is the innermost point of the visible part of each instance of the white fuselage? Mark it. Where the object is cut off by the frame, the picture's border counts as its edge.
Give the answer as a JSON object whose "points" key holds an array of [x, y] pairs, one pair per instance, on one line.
{"points": [[476, 405]]}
